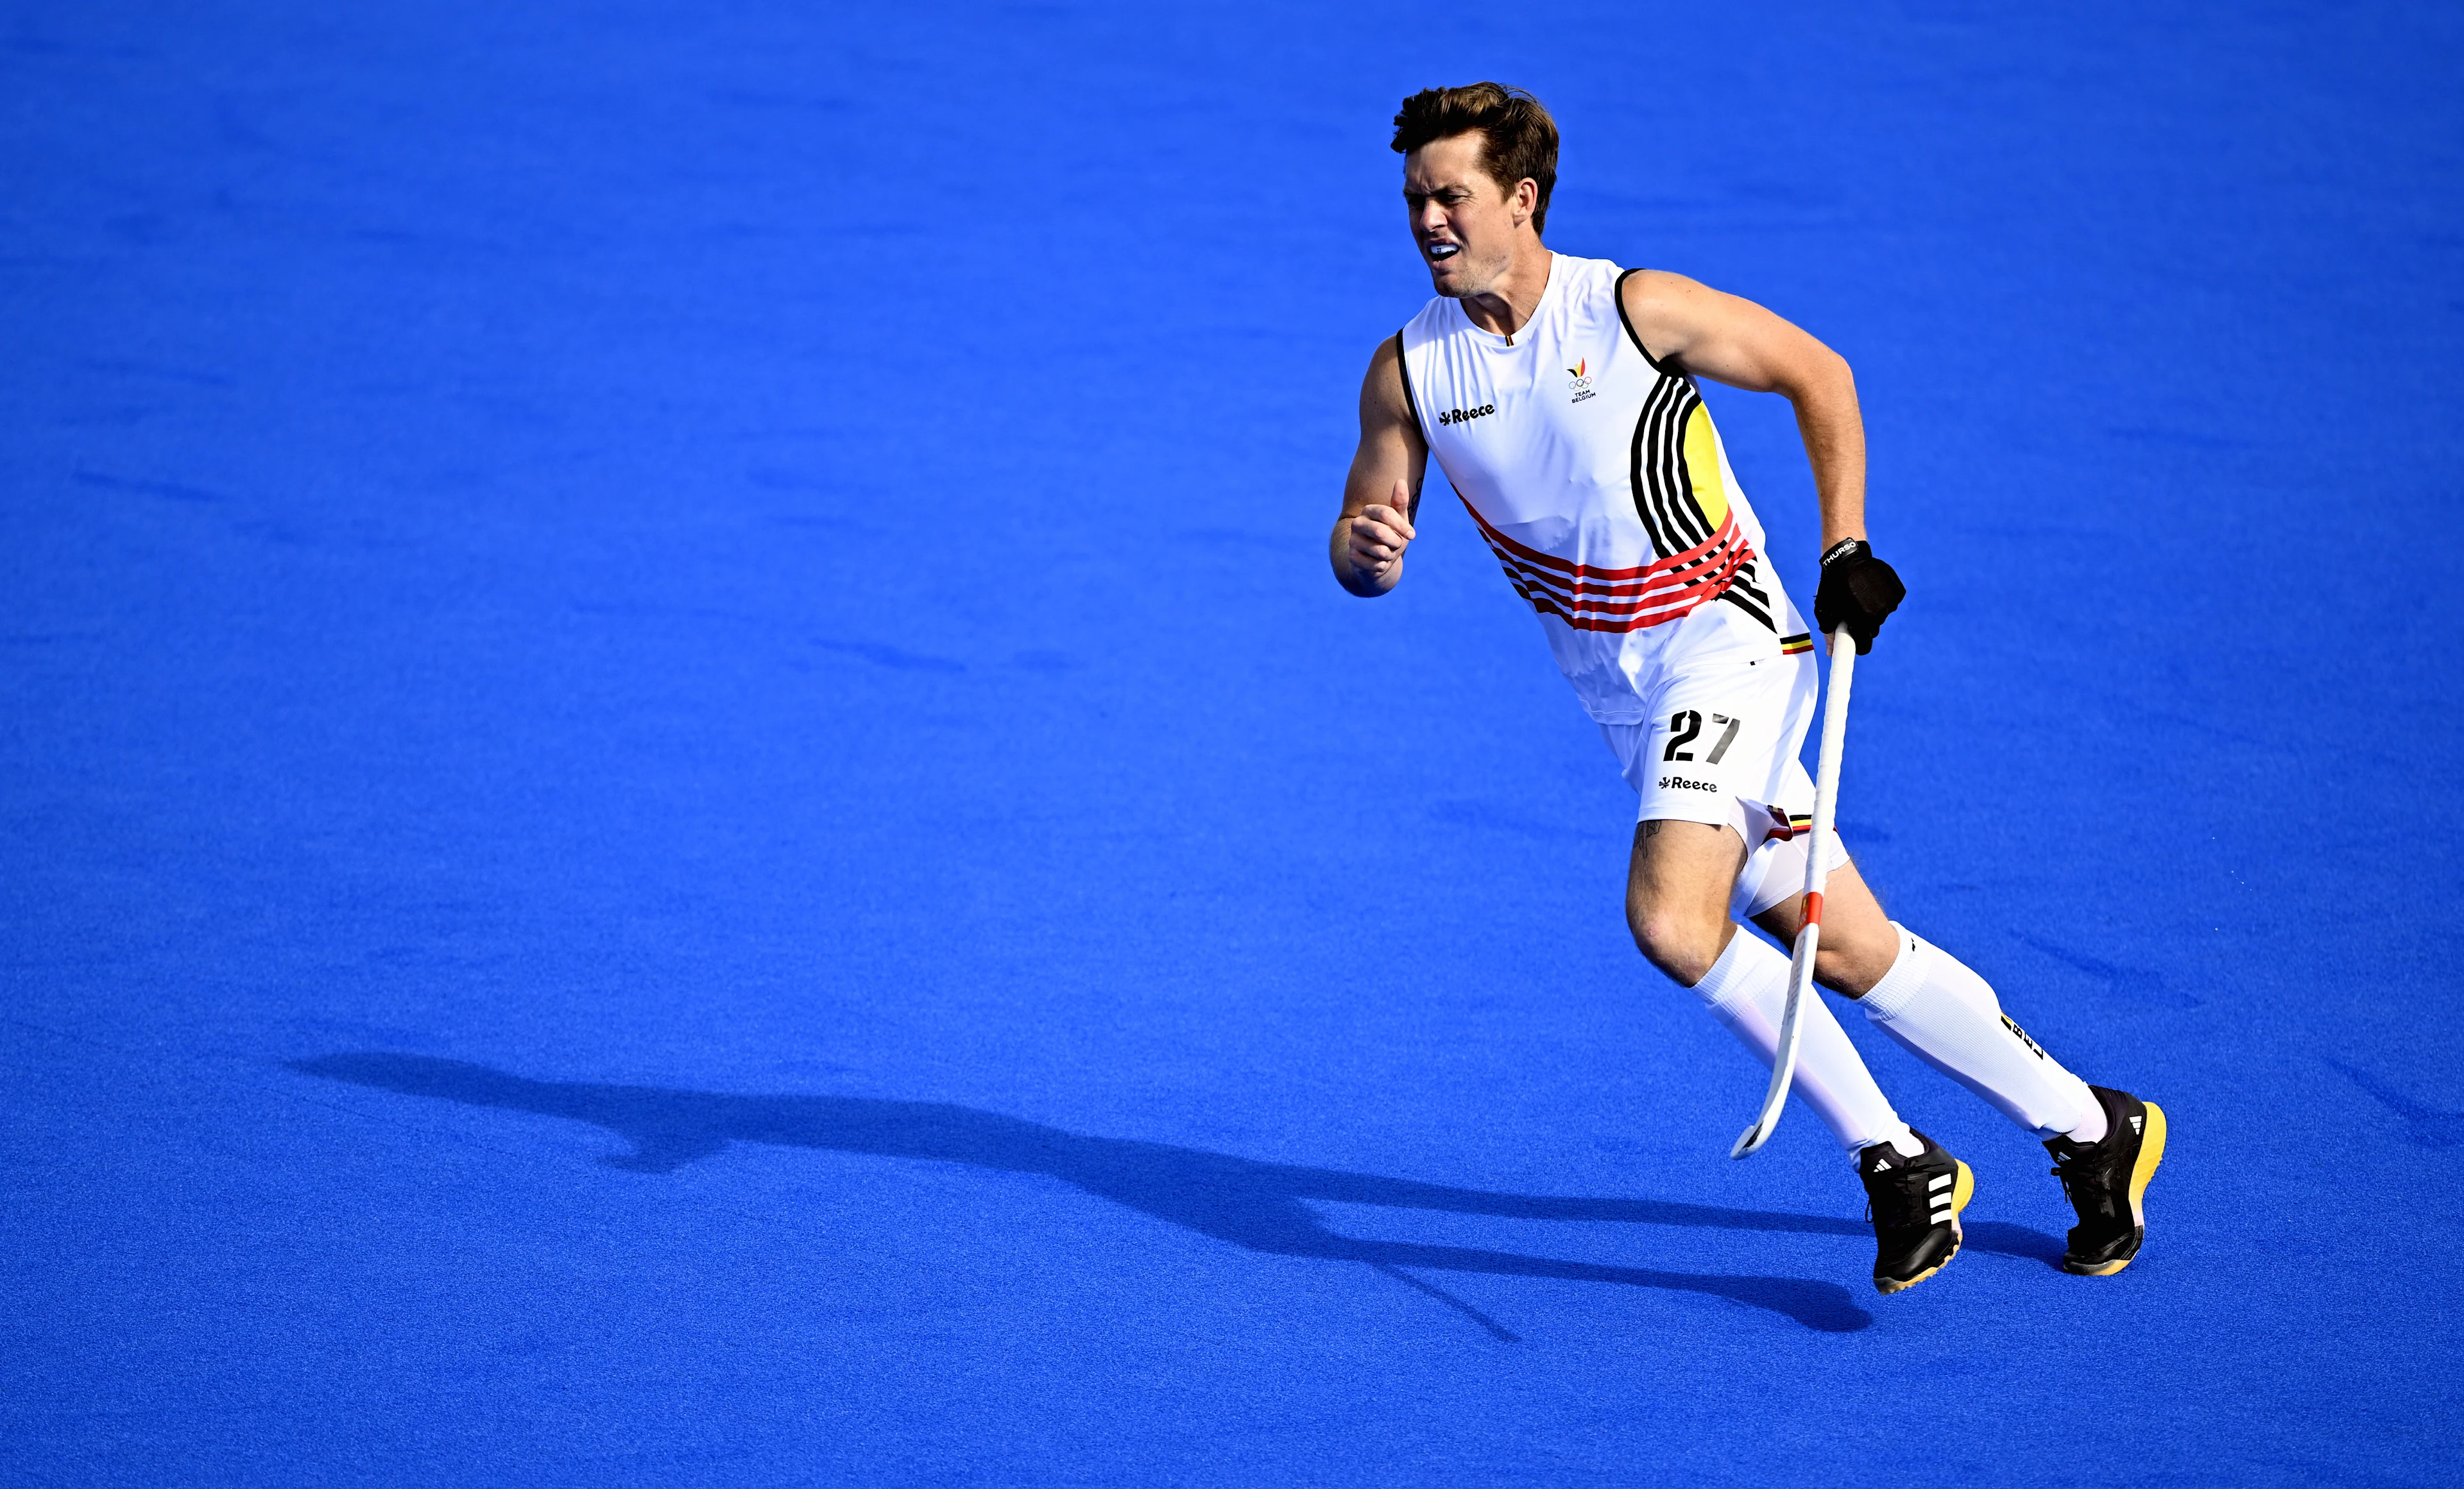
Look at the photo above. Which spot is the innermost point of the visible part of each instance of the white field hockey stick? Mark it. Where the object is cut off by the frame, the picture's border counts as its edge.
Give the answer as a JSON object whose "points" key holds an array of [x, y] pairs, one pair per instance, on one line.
{"points": [[1800, 964]]}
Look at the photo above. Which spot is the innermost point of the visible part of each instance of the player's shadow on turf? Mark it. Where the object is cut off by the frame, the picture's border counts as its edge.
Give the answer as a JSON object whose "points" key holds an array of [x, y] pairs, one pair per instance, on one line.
{"points": [[1260, 1206]]}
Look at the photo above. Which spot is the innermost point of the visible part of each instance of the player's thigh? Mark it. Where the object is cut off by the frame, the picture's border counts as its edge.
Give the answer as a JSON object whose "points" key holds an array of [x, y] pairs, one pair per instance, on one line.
{"points": [[1719, 731], [1682, 874], [1859, 944]]}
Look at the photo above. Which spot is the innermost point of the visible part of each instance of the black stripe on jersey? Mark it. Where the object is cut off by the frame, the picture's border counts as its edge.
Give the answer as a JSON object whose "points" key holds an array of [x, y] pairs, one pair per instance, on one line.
{"points": [[1644, 450], [1691, 517], [1667, 369], [1663, 489], [1747, 596], [1736, 597], [1404, 368], [1691, 521], [1745, 581], [1654, 444]]}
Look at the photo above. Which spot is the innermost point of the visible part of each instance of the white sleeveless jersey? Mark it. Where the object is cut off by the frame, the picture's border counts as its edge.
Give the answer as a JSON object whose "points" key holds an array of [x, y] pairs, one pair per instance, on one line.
{"points": [[1599, 481]]}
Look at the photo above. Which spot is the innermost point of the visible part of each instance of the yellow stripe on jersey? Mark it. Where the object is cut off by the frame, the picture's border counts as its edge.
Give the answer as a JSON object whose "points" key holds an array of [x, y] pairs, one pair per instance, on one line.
{"points": [[1702, 466]]}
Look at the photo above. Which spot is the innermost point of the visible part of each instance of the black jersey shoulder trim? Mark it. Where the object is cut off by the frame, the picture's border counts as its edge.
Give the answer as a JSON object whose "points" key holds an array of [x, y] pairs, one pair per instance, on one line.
{"points": [[1403, 369], [1667, 369]]}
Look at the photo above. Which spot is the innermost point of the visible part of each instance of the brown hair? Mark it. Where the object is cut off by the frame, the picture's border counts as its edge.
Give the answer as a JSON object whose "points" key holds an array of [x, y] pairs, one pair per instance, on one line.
{"points": [[1519, 140]]}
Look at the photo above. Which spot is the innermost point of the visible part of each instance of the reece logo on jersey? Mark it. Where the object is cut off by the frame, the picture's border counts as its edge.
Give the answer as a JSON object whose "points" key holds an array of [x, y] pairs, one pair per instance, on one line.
{"points": [[1581, 373], [1463, 415]]}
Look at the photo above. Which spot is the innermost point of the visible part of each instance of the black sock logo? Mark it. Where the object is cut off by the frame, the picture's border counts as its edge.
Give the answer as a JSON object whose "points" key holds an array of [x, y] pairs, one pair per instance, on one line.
{"points": [[2021, 1035]]}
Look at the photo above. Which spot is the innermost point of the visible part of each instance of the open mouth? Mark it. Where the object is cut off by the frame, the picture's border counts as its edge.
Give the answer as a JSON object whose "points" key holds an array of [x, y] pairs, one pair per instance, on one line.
{"points": [[1439, 252]]}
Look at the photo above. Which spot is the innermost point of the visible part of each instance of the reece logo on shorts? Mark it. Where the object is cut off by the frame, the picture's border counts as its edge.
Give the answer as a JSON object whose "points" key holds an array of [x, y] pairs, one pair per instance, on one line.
{"points": [[1466, 415], [1681, 783]]}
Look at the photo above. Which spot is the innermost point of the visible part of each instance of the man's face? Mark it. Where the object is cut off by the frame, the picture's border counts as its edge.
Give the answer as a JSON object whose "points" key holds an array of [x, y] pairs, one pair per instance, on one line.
{"points": [[1463, 222]]}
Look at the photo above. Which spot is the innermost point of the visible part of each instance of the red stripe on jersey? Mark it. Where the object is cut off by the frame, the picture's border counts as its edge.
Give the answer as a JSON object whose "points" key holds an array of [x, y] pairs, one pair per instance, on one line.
{"points": [[1592, 598], [1658, 584], [1550, 561]]}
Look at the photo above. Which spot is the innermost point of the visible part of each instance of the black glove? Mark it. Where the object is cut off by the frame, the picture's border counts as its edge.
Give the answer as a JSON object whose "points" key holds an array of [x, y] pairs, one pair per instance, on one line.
{"points": [[1857, 591]]}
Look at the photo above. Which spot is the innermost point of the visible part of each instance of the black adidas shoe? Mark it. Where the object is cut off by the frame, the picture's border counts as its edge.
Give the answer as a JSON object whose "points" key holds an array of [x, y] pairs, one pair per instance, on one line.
{"points": [[2106, 1180], [1915, 1211]]}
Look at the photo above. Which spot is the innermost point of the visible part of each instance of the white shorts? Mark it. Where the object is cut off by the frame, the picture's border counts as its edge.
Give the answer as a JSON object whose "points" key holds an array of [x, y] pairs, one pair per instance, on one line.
{"points": [[1720, 747]]}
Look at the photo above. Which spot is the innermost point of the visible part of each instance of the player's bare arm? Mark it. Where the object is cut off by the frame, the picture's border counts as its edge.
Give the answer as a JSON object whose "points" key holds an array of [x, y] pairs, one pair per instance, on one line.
{"points": [[1733, 340], [1383, 491], [1576, 434]]}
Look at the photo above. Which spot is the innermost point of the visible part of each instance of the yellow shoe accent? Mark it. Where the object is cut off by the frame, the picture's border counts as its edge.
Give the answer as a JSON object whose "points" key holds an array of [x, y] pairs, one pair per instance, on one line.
{"points": [[2151, 1156], [2151, 1152]]}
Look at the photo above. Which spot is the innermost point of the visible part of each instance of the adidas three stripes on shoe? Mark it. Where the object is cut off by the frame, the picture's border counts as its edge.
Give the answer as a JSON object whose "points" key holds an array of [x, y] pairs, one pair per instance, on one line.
{"points": [[1915, 1209]]}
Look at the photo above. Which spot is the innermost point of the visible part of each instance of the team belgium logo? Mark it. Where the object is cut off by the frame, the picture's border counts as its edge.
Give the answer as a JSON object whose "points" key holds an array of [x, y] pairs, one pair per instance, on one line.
{"points": [[1581, 373]]}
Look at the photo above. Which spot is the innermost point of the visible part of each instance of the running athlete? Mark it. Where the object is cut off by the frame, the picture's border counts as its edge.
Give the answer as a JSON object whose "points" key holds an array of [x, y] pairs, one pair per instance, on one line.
{"points": [[1560, 397]]}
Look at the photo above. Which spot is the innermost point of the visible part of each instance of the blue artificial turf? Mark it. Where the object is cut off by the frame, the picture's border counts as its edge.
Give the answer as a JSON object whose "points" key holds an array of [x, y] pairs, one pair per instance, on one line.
{"points": [[687, 803]]}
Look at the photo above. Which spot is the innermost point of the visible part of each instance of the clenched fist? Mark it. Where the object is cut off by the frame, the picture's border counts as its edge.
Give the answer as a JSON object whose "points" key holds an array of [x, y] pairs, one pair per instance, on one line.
{"points": [[1378, 536]]}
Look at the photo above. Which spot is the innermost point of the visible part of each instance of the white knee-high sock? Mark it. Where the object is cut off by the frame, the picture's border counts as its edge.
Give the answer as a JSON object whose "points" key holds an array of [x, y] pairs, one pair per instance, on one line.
{"points": [[1747, 990], [1948, 1016]]}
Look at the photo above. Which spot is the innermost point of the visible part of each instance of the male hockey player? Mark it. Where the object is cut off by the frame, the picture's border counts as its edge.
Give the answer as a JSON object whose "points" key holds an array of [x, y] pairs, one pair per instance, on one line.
{"points": [[1559, 395]]}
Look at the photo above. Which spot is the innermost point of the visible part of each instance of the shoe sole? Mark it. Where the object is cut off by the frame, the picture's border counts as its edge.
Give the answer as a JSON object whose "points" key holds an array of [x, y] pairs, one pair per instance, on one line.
{"points": [[2151, 1156], [1961, 1194]]}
